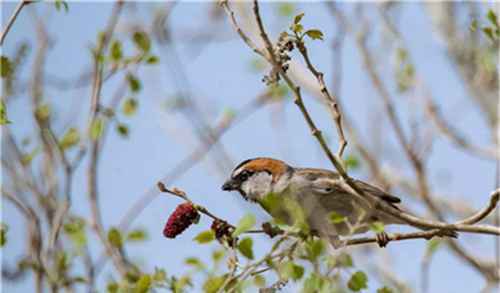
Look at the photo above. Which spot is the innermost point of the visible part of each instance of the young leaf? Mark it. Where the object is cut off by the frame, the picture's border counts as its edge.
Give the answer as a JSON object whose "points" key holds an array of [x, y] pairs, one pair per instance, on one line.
{"points": [[292, 271], [245, 246], [3, 114], [152, 60], [336, 218], [122, 130], [377, 227], [116, 51], [492, 17], [351, 162], [358, 281], [58, 4], [133, 83], [3, 234], [314, 248], [5, 67], [70, 138], [160, 275], [384, 289], [115, 237], [246, 223], [205, 237], [213, 284], [195, 262], [286, 9], [129, 106], [432, 246], [298, 18], [137, 235], [315, 34], [259, 281], [144, 284], [96, 128], [142, 41], [42, 112], [218, 255], [112, 287]]}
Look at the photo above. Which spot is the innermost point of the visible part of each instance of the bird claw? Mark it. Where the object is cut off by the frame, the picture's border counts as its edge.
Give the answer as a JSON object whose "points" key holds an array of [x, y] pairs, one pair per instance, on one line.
{"points": [[382, 239]]}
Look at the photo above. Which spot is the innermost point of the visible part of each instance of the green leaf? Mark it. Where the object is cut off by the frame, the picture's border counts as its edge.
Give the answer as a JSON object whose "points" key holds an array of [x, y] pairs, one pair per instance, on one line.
{"points": [[218, 255], [473, 25], [58, 4], [42, 112], [129, 107], [142, 41], [286, 9], [344, 260], [336, 218], [432, 246], [3, 114], [180, 284], [133, 83], [3, 234], [205, 237], [96, 128], [297, 28], [492, 17], [194, 262], [70, 138], [137, 235], [122, 130], [298, 18], [245, 246], [384, 289], [358, 281], [143, 285], [115, 237], [5, 67], [314, 248], [377, 227], [28, 157], [116, 51], [112, 287], [488, 31], [213, 284], [62, 262], [314, 283], [257, 65], [351, 162], [152, 60], [259, 281], [292, 271], [315, 34], [160, 275], [246, 223], [75, 229]]}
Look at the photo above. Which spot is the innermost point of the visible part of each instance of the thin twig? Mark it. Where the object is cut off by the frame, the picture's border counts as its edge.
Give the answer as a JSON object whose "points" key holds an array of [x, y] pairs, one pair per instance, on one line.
{"points": [[12, 19]]}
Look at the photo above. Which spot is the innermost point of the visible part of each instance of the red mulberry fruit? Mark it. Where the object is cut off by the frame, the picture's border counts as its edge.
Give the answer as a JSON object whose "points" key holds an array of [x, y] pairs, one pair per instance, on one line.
{"points": [[184, 215]]}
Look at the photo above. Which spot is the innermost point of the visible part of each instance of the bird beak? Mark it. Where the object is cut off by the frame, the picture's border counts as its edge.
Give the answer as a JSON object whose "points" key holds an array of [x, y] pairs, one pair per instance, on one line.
{"points": [[230, 185]]}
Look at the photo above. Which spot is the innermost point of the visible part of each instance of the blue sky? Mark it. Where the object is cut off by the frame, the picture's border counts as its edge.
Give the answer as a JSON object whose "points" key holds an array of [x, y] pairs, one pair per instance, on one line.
{"points": [[220, 78]]}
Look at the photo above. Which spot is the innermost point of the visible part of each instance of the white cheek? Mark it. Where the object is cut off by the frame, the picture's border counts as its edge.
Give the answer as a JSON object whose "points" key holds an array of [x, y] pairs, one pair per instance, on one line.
{"points": [[258, 185]]}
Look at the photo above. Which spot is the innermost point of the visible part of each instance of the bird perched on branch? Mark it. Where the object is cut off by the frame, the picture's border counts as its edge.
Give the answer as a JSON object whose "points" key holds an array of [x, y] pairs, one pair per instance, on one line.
{"points": [[317, 198]]}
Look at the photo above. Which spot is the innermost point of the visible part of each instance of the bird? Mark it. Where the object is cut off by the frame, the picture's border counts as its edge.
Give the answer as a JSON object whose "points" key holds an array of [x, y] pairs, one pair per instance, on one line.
{"points": [[318, 198]]}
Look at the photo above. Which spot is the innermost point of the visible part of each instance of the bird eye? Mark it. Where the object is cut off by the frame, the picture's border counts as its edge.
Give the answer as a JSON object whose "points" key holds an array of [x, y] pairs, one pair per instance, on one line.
{"points": [[244, 175]]}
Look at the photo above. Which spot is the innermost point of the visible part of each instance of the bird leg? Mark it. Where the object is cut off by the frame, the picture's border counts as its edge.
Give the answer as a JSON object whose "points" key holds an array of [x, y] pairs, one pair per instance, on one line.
{"points": [[382, 239]]}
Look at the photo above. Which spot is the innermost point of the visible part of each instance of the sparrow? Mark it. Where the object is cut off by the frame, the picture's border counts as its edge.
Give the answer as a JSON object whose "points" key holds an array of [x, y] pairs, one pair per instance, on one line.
{"points": [[318, 197]]}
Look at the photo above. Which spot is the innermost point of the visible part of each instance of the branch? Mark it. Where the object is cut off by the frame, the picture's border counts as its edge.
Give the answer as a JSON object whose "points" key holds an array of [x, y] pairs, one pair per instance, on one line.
{"points": [[378, 204], [12, 19], [329, 99]]}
